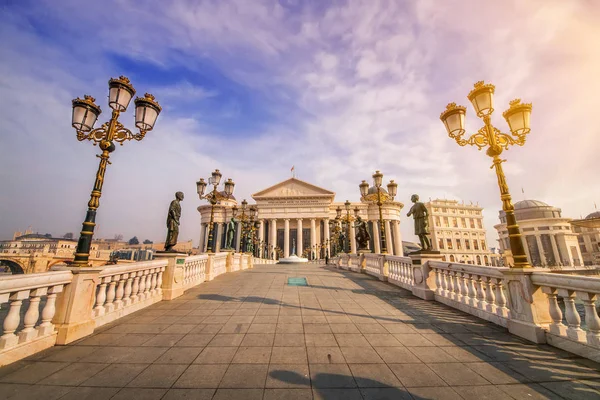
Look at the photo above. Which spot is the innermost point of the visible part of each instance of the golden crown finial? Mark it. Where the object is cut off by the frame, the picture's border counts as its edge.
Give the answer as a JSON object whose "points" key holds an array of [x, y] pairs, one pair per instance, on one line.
{"points": [[89, 98], [479, 84], [514, 102], [124, 79], [149, 96]]}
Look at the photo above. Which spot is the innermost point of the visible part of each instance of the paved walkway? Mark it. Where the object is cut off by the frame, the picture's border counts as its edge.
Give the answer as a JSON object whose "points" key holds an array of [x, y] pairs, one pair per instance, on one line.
{"points": [[248, 335]]}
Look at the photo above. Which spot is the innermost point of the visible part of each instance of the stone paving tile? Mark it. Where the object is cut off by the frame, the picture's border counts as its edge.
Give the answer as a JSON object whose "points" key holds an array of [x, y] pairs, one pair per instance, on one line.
{"points": [[139, 394], [289, 355], [288, 394], [325, 355], [572, 390], [158, 376], [201, 376], [189, 394], [90, 393], [397, 355], [32, 392], [34, 372], [73, 375], [252, 355], [374, 375], [320, 339], [288, 339], [245, 376], [115, 375], [331, 376], [531, 391], [337, 394], [239, 394], [386, 393], [480, 392], [180, 355], [414, 375], [360, 355], [288, 376]]}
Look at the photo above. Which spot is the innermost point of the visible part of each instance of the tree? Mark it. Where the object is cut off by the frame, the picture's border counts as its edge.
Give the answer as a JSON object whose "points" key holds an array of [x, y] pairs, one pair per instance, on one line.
{"points": [[68, 235], [134, 240], [118, 237], [148, 241]]}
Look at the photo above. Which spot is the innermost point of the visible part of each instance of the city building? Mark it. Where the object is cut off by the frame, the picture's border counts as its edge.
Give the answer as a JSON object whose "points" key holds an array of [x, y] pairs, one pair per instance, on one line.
{"points": [[547, 236], [296, 215], [457, 232], [588, 236]]}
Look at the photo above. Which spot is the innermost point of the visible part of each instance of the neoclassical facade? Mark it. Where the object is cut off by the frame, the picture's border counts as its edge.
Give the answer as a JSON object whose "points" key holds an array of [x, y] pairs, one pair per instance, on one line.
{"points": [[547, 236], [295, 215]]}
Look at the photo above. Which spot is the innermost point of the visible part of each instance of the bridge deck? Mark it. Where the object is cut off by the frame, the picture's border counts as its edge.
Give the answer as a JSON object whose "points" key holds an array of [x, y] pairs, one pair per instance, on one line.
{"points": [[248, 335]]}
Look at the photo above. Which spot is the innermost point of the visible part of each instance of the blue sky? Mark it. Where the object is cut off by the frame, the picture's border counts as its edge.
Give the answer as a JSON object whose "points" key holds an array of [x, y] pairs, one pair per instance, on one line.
{"points": [[336, 88]]}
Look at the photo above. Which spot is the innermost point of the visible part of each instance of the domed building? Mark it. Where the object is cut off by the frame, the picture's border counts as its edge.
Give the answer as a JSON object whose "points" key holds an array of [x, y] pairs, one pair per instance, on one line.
{"points": [[588, 234], [547, 235]]}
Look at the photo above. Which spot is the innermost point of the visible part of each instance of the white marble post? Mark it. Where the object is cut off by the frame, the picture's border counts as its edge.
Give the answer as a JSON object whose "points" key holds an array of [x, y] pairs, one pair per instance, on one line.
{"points": [[206, 237], [352, 238], [273, 238], [218, 238], [202, 233], [398, 250], [313, 233], [299, 237], [388, 237], [261, 238], [238, 236], [376, 239], [286, 237], [327, 236]]}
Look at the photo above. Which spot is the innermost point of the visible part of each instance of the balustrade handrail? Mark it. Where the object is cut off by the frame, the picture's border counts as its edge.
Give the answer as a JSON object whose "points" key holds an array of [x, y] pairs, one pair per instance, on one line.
{"points": [[196, 257], [493, 272], [13, 283], [134, 267], [563, 281]]}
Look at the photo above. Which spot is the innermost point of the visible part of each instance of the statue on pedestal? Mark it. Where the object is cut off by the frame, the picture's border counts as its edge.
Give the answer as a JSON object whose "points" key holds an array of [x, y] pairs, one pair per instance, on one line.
{"points": [[293, 247], [230, 234], [362, 234], [420, 215], [173, 222]]}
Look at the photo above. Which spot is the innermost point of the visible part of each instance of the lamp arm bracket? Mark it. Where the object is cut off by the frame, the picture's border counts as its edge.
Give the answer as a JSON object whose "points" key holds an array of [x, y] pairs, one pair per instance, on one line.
{"points": [[478, 139], [122, 134], [97, 135]]}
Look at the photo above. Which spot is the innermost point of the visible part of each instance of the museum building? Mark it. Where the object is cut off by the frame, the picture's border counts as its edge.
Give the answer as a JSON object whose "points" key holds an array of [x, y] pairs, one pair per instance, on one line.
{"points": [[294, 215]]}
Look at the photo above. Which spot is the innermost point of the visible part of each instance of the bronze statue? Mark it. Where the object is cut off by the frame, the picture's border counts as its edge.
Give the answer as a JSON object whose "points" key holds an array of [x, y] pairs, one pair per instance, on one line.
{"points": [[420, 215], [173, 222], [230, 233], [362, 234]]}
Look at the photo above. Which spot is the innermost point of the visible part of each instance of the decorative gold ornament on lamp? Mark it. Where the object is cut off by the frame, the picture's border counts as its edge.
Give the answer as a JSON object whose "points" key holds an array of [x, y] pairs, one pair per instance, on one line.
{"points": [[85, 114], [518, 118]]}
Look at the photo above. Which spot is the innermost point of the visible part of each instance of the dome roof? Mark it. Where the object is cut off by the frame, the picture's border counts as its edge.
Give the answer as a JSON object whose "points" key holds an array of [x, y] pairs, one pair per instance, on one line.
{"points": [[530, 204], [232, 197], [593, 215], [373, 190]]}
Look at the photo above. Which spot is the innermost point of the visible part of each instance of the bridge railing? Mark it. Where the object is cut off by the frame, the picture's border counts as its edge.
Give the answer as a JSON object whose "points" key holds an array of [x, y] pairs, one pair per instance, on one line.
{"points": [[76, 301], [540, 305], [24, 330]]}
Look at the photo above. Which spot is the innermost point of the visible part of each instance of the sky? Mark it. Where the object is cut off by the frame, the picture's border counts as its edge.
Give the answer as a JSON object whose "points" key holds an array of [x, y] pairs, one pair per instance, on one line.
{"points": [[337, 89]]}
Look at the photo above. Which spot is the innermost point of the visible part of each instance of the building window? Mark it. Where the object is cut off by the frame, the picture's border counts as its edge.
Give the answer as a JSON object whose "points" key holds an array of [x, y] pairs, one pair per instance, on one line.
{"points": [[467, 244], [454, 222], [440, 243], [463, 223], [472, 222], [479, 225], [446, 222], [475, 244], [449, 244], [443, 210], [443, 258], [458, 246], [451, 258], [437, 221], [478, 260], [483, 245], [486, 260]]}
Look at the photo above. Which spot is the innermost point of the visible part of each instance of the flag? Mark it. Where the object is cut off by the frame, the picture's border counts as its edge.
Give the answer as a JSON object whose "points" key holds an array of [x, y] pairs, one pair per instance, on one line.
{"points": [[292, 170], [522, 190]]}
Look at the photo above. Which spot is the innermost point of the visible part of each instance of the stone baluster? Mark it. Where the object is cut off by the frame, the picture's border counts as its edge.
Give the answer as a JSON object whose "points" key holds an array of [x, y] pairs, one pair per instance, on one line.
{"points": [[574, 330], [481, 302], [111, 293], [438, 281], [464, 287], [13, 319], [148, 291], [591, 318], [450, 278], [127, 298], [490, 296], [120, 291], [159, 280], [142, 291], [31, 316], [471, 291], [100, 298], [47, 327], [135, 288], [500, 298], [556, 327], [445, 284]]}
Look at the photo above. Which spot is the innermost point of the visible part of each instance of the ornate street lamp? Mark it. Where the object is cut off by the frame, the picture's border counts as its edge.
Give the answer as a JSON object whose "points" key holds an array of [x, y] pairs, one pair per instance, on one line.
{"points": [[518, 117], [85, 114], [378, 196], [214, 197]]}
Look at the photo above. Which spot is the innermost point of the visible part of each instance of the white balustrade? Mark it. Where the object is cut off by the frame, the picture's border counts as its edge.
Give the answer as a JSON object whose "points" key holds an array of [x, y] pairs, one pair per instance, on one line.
{"points": [[194, 270], [374, 265], [219, 265], [400, 271], [573, 290], [126, 288], [23, 295]]}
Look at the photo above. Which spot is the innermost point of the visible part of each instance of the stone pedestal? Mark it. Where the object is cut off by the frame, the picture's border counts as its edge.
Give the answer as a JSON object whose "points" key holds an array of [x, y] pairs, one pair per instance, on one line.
{"points": [[529, 310], [172, 284], [424, 281], [73, 317]]}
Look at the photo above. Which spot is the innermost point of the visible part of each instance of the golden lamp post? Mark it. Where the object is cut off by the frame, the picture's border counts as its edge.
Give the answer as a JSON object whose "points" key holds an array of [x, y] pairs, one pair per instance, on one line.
{"points": [[378, 196], [517, 116], [85, 114], [214, 197], [347, 219]]}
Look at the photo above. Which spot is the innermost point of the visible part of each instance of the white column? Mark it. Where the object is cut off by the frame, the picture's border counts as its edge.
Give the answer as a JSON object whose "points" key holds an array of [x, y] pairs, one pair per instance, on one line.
{"points": [[555, 249], [376, 239], [286, 238], [398, 250], [299, 237], [327, 236], [201, 242], [273, 238], [388, 237], [206, 237], [261, 238], [313, 234], [218, 238], [352, 238], [540, 249], [238, 236]]}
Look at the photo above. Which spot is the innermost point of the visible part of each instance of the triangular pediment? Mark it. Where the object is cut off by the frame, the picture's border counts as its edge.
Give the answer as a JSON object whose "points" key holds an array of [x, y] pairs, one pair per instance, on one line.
{"points": [[293, 188]]}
